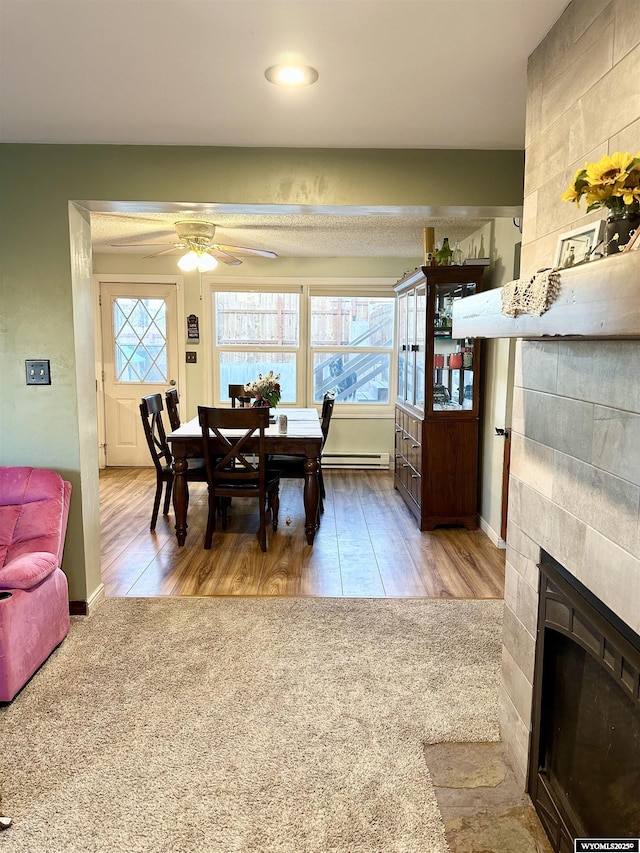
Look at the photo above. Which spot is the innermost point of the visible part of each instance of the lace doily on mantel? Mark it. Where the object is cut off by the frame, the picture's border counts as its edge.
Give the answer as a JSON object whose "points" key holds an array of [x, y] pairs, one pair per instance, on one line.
{"points": [[530, 296]]}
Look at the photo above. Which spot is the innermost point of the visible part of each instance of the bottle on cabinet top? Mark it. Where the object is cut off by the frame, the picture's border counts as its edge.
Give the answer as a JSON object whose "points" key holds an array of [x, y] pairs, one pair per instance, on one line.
{"points": [[444, 254]]}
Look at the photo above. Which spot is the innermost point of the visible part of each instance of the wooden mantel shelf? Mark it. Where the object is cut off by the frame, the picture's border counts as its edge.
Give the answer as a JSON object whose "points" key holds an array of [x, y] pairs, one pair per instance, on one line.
{"points": [[596, 300]]}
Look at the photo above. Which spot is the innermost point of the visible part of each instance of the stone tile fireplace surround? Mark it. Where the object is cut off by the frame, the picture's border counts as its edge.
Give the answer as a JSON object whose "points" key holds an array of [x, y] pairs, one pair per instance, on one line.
{"points": [[574, 501], [574, 492], [575, 462]]}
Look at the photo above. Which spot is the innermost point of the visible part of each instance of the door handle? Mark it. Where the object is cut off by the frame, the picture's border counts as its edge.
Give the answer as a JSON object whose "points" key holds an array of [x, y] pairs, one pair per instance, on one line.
{"points": [[172, 382]]}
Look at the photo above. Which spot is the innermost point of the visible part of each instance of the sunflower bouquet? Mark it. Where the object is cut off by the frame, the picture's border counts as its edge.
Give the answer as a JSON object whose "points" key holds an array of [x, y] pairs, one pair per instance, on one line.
{"points": [[265, 390], [613, 182]]}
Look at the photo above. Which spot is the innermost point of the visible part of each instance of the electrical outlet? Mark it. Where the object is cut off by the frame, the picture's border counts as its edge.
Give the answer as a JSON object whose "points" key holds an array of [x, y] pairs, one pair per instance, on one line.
{"points": [[38, 371], [192, 357]]}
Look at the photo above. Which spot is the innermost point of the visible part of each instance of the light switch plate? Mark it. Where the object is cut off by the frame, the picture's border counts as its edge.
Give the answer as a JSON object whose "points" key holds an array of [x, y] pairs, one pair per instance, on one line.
{"points": [[192, 357], [38, 371]]}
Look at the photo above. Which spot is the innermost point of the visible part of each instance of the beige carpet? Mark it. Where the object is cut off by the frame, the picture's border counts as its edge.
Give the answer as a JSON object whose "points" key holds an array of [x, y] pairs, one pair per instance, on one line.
{"points": [[224, 725]]}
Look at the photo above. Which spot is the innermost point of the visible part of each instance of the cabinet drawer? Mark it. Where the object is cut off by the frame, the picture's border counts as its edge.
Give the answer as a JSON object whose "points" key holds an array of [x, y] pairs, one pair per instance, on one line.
{"points": [[414, 427], [414, 454], [410, 478], [402, 470], [400, 459], [414, 487]]}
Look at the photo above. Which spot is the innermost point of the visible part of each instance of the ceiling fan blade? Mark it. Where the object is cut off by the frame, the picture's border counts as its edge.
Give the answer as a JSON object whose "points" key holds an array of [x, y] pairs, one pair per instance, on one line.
{"points": [[225, 257], [245, 250], [162, 252], [129, 245]]}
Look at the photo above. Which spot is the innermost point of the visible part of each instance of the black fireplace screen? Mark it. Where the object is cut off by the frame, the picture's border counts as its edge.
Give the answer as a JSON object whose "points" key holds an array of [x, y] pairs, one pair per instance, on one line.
{"points": [[590, 741], [584, 775]]}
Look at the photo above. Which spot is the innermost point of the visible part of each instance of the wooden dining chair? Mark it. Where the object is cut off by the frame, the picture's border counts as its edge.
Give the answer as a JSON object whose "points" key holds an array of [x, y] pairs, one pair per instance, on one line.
{"points": [[235, 467], [237, 394], [151, 409], [292, 467], [172, 400]]}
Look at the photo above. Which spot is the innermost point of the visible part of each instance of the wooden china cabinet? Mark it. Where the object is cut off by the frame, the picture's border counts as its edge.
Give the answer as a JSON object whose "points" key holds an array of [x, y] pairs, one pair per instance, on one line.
{"points": [[437, 408]]}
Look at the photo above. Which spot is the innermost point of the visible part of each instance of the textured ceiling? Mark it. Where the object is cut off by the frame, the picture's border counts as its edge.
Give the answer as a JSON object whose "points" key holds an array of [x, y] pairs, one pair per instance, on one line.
{"points": [[289, 235]]}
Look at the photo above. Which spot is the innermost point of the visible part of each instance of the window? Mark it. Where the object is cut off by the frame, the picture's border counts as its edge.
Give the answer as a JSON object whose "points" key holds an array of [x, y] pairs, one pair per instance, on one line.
{"points": [[255, 332], [351, 344], [140, 333], [320, 337]]}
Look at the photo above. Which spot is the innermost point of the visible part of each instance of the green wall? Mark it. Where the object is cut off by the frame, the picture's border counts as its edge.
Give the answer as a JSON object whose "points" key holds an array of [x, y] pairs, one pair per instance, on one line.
{"points": [[45, 274]]}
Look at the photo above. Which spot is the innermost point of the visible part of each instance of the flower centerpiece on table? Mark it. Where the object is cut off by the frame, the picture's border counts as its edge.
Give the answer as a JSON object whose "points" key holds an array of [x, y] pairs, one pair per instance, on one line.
{"points": [[612, 183], [265, 390]]}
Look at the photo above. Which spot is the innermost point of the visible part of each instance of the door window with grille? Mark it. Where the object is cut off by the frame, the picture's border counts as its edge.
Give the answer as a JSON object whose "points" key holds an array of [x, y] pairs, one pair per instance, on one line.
{"points": [[140, 337]]}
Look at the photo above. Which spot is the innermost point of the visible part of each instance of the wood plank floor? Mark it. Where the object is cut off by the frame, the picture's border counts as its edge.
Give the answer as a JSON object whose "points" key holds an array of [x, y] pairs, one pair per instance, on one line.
{"points": [[368, 545]]}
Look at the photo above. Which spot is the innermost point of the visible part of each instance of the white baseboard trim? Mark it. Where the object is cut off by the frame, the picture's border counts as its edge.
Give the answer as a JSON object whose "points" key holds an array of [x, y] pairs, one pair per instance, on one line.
{"points": [[95, 599], [491, 533]]}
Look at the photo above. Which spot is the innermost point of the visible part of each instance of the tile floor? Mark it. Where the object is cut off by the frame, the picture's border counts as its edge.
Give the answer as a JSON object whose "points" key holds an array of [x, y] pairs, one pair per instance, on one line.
{"points": [[482, 805]]}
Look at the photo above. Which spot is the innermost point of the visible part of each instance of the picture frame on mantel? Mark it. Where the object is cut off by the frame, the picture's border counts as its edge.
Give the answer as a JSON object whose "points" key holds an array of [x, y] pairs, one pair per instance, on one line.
{"points": [[577, 246]]}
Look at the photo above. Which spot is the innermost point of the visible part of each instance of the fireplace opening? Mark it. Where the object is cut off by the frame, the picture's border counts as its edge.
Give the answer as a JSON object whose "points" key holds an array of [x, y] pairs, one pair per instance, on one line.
{"points": [[584, 769]]}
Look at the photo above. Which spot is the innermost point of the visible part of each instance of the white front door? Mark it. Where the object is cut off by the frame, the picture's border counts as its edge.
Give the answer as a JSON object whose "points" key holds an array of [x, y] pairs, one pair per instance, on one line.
{"points": [[140, 357]]}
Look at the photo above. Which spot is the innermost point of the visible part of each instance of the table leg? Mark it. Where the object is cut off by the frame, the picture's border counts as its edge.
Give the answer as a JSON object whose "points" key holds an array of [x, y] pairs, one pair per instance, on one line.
{"points": [[180, 497], [311, 497]]}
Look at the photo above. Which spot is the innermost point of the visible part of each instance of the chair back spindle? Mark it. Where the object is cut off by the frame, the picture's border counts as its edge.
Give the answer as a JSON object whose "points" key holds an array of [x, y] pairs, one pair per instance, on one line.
{"points": [[172, 400]]}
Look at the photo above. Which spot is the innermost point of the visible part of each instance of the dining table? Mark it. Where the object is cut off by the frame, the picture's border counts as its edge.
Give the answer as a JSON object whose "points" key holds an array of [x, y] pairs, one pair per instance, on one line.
{"points": [[303, 437]]}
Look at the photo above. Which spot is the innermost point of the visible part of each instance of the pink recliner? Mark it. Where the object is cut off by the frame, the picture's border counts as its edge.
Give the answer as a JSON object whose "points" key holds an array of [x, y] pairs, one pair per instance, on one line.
{"points": [[34, 599]]}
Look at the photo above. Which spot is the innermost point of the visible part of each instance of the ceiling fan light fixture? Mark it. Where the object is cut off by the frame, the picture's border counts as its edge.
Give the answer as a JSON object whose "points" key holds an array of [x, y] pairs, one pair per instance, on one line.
{"points": [[197, 260], [188, 262], [291, 75], [207, 262]]}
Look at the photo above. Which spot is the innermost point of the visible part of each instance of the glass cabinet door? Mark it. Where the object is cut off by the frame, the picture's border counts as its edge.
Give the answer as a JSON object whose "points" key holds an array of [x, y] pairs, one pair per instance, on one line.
{"points": [[420, 345], [402, 347], [454, 380], [411, 354]]}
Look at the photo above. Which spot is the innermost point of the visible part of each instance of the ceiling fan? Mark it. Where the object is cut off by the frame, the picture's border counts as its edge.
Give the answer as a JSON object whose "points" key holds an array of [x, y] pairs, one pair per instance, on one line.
{"points": [[195, 239]]}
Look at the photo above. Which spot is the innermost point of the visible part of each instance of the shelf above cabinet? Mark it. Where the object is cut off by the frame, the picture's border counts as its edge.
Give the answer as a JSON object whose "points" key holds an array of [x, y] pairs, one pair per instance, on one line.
{"points": [[457, 369], [596, 300]]}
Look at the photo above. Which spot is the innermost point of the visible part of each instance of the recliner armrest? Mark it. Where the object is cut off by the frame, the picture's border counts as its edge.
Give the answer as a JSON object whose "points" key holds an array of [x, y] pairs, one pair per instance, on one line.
{"points": [[27, 570]]}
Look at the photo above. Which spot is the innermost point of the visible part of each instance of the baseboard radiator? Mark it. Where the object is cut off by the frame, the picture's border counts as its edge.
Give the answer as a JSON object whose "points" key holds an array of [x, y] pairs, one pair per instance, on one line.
{"points": [[355, 460]]}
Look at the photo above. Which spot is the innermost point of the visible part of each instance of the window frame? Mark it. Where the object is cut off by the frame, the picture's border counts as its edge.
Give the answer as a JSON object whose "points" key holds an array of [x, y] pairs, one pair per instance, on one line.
{"points": [[348, 289], [224, 284], [306, 287]]}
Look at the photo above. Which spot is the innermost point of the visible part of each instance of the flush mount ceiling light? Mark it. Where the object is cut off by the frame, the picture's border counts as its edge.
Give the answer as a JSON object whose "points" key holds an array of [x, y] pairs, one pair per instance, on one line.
{"points": [[291, 75]]}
